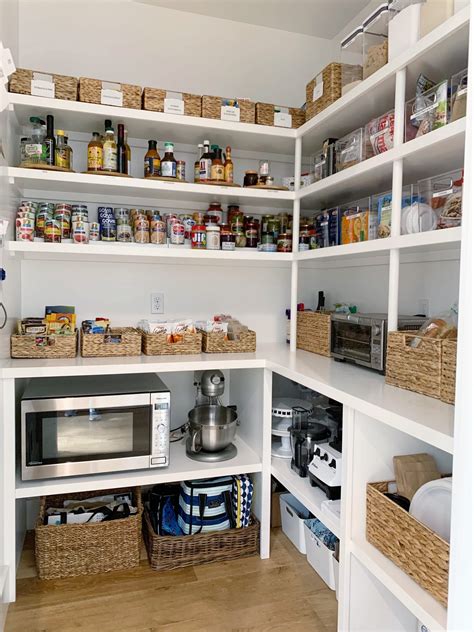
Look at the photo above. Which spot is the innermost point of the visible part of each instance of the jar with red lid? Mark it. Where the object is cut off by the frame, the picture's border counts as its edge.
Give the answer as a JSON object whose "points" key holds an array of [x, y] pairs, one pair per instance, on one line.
{"points": [[198, 237], [215, 210], [251, 233]]}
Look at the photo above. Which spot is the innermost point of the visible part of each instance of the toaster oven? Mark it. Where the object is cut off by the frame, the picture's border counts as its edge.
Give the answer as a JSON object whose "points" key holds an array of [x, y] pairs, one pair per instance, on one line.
{"points": [[362, 338]]}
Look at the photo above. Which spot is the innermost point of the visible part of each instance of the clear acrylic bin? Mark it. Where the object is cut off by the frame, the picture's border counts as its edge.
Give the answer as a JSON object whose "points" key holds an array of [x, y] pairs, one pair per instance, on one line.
{"points": [[319, 166], [352, 149], [381, 204], [352, 57], [427, 112], [328, 228], [440, 197], [458, 95], [375, 41], [379, 131], [358, 222]]}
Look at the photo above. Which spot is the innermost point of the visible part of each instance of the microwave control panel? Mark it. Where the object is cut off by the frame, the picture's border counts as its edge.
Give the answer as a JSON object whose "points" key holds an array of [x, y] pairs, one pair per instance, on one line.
{"points": [[160, 429]]}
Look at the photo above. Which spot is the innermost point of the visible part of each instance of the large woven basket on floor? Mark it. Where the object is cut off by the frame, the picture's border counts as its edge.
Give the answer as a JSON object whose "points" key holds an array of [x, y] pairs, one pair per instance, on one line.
{"points": [[421, 368], [265, 114], [217, 343], [154, 100], [64, 87], [211, 108], [331, 79], [70, 550], [414, 548], [90, 92], [313, 332], [120, 341], [156, 344], [168, 552], [41, 347]]}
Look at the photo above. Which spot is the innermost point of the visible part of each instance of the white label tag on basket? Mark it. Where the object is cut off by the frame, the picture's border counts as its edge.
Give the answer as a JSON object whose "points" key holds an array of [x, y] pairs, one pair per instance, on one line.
{"points": [[282, 119], [42, 88], [174, 106], [442, 193], [318, 91], [230, 113], [111, 97]]}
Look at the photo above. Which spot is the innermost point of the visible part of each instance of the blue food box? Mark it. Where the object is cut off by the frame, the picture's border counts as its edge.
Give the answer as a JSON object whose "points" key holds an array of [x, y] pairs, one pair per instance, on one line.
{"points": [[328, 227]]}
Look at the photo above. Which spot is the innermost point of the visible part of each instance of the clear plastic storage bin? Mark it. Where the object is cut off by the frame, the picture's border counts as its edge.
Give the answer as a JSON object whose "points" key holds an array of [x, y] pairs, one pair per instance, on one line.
{"points": [[442, 197], [381, 204], [418, 216], [458, 95], [375, 40], [352, 149], [379, 132], [328, 227], [427, 112], [319, 166], [358, 222], [352, 57]]}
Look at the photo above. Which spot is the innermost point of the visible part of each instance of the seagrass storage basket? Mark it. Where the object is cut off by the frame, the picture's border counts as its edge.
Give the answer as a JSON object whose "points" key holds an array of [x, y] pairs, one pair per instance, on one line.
{"points": [[313, 332], [64, 87], [414, 548], [421, 368], [43, 347], [323, 90], [266, 114], [119, 342], [154, 100], [211, 108], [70, 550], [90, 91], [217, 343], [157, 344], [169, 552]]}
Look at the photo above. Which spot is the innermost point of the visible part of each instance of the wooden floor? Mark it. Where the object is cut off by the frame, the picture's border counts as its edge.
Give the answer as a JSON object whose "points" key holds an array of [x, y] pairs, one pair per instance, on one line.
{"points": [[279, 594]]}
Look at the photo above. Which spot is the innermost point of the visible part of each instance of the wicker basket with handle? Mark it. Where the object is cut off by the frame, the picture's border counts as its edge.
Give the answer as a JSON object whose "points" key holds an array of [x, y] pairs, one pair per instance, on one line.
{"points": [[168, 552], [211, 108], [218, 343], [265, 114], [64, 87], [313, 332], [90, 91], [448, 371], [119, 341], [157, 344], [154, 100], [70, 550], [412, 546], [42, 347], [330, 79]]}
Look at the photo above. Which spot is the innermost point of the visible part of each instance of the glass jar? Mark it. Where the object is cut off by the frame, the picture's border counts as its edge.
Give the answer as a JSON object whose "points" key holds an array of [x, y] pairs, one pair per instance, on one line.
{"points": [[284, 242], [250, 179], [213, 237], [251, 233], [215, 210], [227, 238], [233, 210]]}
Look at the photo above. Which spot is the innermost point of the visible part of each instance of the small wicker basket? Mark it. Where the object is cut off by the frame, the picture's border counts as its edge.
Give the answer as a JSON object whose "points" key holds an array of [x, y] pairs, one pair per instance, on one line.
{"points": [[70, 550], [265, 114], [157, 344], [154, 100], [217, 343], [64, 87], [90, 91], [331, 79], [211, 108], [169, 552], [120, 341], [413, 547], [42, 347], [313, 332]]}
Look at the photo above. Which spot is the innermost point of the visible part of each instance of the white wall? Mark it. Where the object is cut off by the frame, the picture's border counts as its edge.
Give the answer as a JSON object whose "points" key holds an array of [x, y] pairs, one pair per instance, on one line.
{"points": [[120, 40]]}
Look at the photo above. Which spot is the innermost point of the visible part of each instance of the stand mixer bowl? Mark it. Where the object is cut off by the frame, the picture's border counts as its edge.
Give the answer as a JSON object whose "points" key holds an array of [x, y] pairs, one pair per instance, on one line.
{"points": [[211, 427]]}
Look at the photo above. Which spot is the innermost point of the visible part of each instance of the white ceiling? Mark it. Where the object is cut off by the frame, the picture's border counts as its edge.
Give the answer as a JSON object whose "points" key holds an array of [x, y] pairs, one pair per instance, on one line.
{"points": [[319, 18]]}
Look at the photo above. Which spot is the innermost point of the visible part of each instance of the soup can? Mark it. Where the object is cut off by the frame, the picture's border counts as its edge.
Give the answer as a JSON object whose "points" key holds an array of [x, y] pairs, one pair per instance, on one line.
{"points": [[94, 231], [24, 229], [124, 233], [64, 226], [80, 232], [52, 231], [157, 231], [170, 218], [177, 233], [188, 222]]}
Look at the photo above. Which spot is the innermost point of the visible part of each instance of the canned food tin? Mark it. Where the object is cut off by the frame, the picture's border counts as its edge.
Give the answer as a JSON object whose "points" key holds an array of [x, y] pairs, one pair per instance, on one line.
{"points": [[52, 231], [198, 237], [177, 233], [157, 232], [80, 232], [181, 170], [124, 233], [188, 222], [108, 231], [269, 247], [170, 218], [82, 208], [284, 242], [41, 219], [64, 226], [24, 229], [94, 231], [121, 212]]}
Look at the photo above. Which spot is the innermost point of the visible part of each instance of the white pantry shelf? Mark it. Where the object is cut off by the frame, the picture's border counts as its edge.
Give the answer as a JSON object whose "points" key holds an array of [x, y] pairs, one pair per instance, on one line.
{"points": [[419, 602], [310, 497], [181, 468]]}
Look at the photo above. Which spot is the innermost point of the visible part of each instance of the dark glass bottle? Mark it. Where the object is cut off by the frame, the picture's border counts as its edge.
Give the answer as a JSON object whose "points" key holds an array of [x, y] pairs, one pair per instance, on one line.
{"points": [[122, 158], [49, 143]]}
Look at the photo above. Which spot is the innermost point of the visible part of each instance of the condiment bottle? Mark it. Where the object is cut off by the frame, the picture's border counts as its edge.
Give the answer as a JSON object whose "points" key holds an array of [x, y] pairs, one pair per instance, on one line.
{"points": [[63, 156], [205, 164], [152, 160], [217, 167], [228, 166], [122, 163], [49, 142], [168, 164], [129, 154], [213, 237], [95, 153], [197, 163], [109, 151]]}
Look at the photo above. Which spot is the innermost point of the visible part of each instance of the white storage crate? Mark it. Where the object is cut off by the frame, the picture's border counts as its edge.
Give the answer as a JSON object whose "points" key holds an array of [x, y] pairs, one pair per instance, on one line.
{"points": [[293, 515], [335, 564], [320, 557]]}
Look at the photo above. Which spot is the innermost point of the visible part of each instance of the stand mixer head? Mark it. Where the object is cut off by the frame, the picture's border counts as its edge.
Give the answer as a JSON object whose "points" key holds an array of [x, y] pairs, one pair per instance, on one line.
{"points": [[212, 385]]}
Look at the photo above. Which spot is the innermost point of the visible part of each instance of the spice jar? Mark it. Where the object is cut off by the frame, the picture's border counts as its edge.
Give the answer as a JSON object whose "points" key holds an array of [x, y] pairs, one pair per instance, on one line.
{"points": [[250, 179], [198, 237], [213, 240], [284, 242]]}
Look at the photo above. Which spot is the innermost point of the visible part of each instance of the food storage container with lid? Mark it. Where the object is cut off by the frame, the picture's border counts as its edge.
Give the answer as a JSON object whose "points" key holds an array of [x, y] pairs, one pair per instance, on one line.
{"points": [[427, 111], [379, 131], [403, 25], [352, 149], [352, 53], [319, 169], [443, 195], [458, 95], [375, 40], [358, 222]]}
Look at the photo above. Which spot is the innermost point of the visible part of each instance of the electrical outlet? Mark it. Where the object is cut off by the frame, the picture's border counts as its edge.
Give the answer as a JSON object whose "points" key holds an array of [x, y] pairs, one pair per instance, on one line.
{"points": [[424, 306], [157, 303]]}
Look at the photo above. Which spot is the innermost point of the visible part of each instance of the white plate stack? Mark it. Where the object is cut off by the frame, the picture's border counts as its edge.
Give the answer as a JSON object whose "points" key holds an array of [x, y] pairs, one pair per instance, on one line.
{"points": [[282, 417]]}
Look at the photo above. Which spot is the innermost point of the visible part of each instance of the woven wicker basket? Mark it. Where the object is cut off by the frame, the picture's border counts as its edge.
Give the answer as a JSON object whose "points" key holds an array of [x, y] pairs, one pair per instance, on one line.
{"points": [[52, 346], [168, 552], [64, 87], [156, 344], [211, 108], [101, 346], [90, 92], [217, 343], [265, 115], [414, 548], [313, 332], [448, 371], [332, 86], [154, 100], [70, 550]]}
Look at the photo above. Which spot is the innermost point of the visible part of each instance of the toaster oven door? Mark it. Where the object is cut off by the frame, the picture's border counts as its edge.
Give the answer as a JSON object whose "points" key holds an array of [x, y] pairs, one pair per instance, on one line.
{"points": [[352, 341]]}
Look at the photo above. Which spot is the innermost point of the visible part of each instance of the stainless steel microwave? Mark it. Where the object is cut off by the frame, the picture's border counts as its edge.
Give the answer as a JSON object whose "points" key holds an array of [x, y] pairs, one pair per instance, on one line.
{"points": [[88, 425]]}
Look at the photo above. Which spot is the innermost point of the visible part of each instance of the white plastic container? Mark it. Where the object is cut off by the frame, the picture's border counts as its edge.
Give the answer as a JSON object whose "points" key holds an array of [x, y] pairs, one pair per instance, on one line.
{"points": [[293, 515], [335, 564], [320, 558]]}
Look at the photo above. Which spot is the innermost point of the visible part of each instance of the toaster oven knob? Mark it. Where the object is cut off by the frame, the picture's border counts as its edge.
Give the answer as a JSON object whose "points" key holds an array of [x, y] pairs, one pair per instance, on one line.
{"points": [[325, 457], [333, 463], [377, 330]]}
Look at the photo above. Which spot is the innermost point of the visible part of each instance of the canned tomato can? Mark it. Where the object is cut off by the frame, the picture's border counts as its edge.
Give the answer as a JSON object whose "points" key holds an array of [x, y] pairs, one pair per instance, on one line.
{"points": [[181, 170], [177, 233], [80, 232], [24, 229], [64, 226], [52, 231]]}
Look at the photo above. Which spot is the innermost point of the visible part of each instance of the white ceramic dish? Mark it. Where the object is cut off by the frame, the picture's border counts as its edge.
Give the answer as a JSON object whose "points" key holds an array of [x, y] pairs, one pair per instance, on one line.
{"points": [[431, 505]]}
